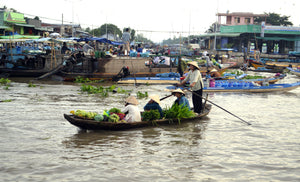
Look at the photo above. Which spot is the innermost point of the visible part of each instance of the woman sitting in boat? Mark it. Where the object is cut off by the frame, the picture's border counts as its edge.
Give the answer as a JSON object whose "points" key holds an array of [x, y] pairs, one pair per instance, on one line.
{"points": [[153, 104], [181, 99], [131, 110]]}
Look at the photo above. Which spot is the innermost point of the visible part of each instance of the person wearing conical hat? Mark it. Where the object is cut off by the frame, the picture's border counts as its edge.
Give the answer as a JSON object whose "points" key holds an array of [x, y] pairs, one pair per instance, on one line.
{"points": [[131, 110], [214, 73], [196, 84], [181, 99], [153, 104]]}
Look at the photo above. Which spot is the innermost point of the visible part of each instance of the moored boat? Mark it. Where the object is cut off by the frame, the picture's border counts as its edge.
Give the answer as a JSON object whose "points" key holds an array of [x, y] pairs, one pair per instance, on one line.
{"points": [[90, 124], [250, 88], [295, 72]]}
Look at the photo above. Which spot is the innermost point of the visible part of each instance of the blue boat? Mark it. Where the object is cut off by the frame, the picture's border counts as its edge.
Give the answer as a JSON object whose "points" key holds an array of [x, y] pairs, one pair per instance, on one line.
{"points": [[295, 72], [250, 88]]}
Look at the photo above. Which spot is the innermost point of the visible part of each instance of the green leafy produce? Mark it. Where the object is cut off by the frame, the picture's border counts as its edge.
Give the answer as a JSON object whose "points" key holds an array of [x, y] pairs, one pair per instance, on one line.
{"points": [[178, 111], [99, 117], [150, 115], [85, 114], [253, 77], [113, 118], [114, 110]]}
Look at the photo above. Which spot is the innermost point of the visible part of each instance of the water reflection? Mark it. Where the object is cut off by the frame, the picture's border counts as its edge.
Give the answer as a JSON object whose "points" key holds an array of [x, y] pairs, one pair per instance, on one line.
{"points": [[183, 134]]}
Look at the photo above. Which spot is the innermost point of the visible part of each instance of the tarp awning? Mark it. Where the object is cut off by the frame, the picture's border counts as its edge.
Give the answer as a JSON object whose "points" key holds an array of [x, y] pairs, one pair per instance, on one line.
{"points": [[221, 35], [280, 38], [20, 37], [101, 40], [24, 25], [4, 27]]}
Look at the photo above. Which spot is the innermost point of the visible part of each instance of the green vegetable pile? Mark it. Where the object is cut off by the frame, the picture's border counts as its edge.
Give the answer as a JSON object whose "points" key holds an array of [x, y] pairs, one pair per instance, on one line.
{"points": [[113, 115], [150, 115], [114, 110], [178, 112], [114, 118], [85, 114], [253, 77]]}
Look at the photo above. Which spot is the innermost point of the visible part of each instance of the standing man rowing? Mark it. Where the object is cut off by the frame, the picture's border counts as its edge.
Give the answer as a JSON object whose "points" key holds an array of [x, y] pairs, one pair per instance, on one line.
{"points": [[126, 39]]}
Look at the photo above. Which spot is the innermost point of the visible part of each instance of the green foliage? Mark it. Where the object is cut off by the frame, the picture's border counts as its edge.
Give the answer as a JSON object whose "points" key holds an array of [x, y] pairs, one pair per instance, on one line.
{"points": [[31, 84], [79, 79], [140, 95], [8, 100], [229, 45], [178, 112], [150, 115], [4, 81], [103, 91], [114, 110], [274, 19], [109, 28]]}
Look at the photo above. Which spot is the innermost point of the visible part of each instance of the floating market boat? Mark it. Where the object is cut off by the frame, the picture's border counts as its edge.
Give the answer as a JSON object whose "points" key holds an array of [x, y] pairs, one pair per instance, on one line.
{"points": [[90, 124], [295, 72], [149, 80], [250, 88]]}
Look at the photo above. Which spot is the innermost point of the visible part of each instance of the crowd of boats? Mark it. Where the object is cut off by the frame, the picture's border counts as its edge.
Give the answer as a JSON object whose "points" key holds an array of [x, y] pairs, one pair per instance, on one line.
{"points": [[43, 58]]}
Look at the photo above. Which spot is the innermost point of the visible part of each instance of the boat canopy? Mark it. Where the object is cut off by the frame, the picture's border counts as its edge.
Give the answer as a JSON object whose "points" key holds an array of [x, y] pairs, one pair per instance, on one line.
{"points": [[101, 40]]}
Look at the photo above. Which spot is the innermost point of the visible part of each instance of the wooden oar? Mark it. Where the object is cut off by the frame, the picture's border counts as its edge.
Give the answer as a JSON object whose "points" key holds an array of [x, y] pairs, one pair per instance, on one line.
{"points": [[219, 107], [166, 97]]}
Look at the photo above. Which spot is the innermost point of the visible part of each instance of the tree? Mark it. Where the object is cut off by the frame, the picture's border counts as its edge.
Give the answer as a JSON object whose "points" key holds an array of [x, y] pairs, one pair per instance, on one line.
{"points": [[212, 28], [105, 28], [36, 18], [274, 19], [141, 38]]}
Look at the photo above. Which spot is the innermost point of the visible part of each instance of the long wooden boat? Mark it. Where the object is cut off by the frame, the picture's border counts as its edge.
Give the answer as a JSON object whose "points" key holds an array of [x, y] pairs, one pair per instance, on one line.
{"points": [[295, 72], [270, 80], [256, 64], [251, 89], [89, 124], [149, 80]]}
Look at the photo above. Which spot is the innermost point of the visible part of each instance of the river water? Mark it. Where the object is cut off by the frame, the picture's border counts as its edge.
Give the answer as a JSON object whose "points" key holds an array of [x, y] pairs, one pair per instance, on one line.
{"points": [[38, 144]]}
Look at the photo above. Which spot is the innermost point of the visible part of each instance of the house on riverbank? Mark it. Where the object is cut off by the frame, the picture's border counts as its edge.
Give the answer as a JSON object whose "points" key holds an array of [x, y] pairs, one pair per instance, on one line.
{"points": [[241, 34]]}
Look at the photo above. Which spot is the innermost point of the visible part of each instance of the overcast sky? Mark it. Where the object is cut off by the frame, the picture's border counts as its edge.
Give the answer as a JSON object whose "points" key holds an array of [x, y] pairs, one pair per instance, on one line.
{"points": [[165, 18]]}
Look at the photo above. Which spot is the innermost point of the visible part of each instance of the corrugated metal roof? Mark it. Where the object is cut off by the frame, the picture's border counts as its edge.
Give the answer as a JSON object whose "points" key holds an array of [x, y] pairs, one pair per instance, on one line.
{"points": [[220, 35]]}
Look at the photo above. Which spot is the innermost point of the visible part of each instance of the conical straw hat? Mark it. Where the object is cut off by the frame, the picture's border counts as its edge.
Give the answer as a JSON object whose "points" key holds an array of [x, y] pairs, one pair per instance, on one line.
{"points": [[155, 98], [132, 100], [178, 91], [194, 63], [213, 70]]}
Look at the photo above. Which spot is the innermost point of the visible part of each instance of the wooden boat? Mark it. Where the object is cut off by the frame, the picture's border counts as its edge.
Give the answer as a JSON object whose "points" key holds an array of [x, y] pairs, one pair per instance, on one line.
{"points": [[295, 72], [149, 80], [270, 80], [89, 124], [256, 64], [251, 89], [255, 89]]}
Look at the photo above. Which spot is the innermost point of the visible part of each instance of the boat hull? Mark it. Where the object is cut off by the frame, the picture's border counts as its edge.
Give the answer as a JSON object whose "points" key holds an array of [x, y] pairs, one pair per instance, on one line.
{"points": [[89, 124]]}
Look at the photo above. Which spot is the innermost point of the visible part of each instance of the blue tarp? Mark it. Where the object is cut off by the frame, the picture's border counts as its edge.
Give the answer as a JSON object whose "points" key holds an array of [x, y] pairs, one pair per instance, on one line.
{"points": [[101, 40]]}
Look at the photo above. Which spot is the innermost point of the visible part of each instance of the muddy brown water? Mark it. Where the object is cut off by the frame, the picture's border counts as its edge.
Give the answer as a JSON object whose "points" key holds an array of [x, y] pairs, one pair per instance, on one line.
{"points": [[38, 144]]}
